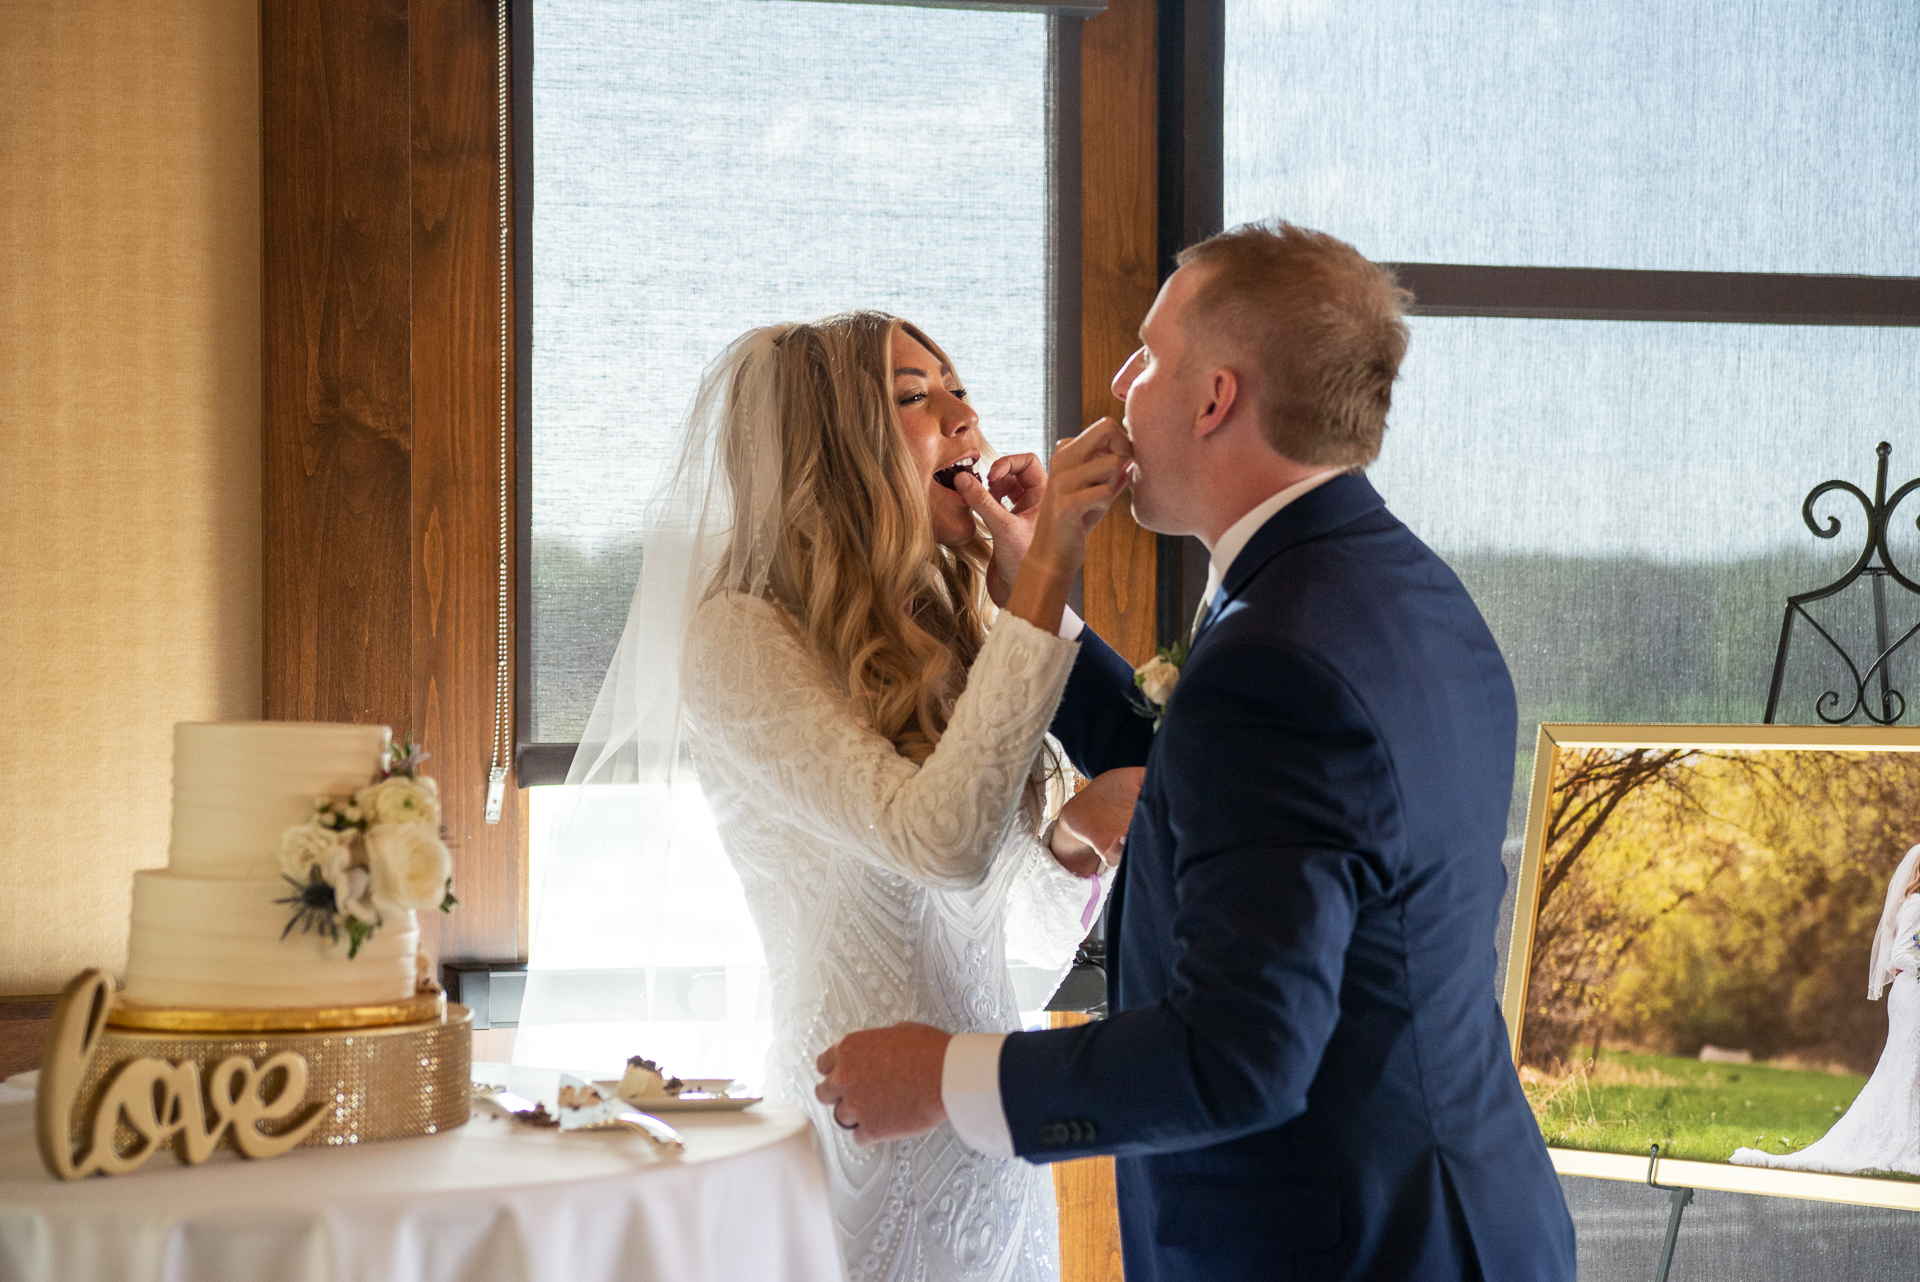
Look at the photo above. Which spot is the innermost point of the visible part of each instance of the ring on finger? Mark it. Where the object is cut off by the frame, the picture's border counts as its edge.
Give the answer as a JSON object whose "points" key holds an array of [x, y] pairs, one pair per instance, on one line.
{"points": [[834, 1113]]}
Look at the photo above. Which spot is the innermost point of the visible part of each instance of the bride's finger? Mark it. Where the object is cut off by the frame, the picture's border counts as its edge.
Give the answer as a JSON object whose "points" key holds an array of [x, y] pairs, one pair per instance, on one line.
{"points": [[978, 497], [828, 1058], [1014, 465], [1104, 436], [1021, 478], [1103, 472]]}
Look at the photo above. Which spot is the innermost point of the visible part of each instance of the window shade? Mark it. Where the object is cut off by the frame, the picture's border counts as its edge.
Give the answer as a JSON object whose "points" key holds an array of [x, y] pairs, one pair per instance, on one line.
{"points": [[1719, 135], [704, 166]]}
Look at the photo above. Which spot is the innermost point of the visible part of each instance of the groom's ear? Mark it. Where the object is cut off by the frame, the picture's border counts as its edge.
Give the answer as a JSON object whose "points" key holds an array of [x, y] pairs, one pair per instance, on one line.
{"points": [[1222, 394]]}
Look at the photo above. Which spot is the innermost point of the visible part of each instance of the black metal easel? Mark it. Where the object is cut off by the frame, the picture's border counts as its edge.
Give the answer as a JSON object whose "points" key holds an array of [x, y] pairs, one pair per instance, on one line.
{"points": [[1876, 561], [1879, 510], [1677, 1200]]}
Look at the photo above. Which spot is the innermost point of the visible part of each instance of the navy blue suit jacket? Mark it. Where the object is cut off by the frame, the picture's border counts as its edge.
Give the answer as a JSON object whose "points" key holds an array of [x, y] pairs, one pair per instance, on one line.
{"points": [[1304, 1072]]}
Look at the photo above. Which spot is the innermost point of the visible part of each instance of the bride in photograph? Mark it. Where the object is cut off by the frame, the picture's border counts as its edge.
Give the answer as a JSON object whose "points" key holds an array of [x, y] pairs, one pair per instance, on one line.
{"points": [[1880, 1130], [871, 736]]}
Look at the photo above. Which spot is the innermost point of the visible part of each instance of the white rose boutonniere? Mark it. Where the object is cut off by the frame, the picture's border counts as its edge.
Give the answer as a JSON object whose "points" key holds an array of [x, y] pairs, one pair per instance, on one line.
{"points": [[410, 865], [1154, 681], [1157, 678]]}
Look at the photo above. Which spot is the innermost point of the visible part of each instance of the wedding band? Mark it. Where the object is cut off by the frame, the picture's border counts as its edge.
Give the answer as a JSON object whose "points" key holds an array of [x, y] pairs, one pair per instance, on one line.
{"points": [[845, 1126]]}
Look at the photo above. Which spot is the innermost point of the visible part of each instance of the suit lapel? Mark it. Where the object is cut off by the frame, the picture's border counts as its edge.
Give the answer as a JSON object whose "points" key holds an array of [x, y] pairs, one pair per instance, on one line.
{"points": [[1319, 511]]}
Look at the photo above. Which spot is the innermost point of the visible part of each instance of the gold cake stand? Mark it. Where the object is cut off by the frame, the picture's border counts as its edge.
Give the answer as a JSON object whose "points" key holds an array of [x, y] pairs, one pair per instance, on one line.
{"points": [[372, 1072], [429, 1003]]}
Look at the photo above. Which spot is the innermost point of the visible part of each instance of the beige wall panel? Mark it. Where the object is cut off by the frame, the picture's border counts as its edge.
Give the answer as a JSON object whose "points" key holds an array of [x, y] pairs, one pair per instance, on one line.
{"points": [[130, 429]]}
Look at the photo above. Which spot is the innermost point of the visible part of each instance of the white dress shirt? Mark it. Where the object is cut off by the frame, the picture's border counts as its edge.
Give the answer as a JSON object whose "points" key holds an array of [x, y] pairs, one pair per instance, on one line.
{"points": [[970, 1075]]}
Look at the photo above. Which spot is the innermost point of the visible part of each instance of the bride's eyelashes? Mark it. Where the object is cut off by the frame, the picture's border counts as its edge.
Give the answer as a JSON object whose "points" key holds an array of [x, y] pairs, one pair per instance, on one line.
{"points": [[958, 394]]}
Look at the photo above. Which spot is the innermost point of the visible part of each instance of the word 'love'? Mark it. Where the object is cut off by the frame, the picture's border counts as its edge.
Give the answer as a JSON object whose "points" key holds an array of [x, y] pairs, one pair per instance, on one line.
{"points": [[163, 1104]]}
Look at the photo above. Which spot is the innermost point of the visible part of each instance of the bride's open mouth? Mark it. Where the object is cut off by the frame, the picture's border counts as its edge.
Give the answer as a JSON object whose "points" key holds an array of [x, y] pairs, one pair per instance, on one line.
{"points": [[946, 474]]}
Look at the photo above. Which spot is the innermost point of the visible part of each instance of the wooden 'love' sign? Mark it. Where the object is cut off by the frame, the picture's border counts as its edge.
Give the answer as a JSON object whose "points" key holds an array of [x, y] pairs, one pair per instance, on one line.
{"points": [[162, 1104]]}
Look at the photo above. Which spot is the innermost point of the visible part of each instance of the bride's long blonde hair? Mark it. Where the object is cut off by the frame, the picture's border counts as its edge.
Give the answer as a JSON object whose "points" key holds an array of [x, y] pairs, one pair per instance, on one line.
{"points": [[894, 617]]}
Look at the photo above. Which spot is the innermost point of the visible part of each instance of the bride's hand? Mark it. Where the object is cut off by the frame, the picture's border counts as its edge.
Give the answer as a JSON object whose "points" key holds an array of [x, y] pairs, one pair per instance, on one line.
{"points": [[1088, 474], [1091, 832], [1018, 479]]}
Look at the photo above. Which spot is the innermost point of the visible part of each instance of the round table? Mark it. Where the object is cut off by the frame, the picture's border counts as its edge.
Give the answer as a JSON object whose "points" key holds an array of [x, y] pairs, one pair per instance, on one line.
{"points": [[491, 1201]]}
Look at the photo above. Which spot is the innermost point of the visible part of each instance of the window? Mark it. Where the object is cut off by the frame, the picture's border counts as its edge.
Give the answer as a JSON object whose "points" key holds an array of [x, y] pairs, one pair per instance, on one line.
{"points": [[701, 167], [1616, 397], [705, 166]]}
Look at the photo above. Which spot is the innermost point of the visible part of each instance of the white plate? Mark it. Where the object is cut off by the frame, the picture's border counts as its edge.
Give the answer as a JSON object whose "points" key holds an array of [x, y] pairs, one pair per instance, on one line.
{"points": [[708, 1095]]}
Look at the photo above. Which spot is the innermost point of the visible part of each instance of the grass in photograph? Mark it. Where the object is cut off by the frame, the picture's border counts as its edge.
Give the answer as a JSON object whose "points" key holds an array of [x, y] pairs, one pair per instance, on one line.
{"points": [[1701, 1111]]}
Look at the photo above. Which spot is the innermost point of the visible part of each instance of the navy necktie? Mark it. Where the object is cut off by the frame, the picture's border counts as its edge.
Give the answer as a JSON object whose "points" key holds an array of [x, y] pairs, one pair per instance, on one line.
{"points": [[1205, 614]]}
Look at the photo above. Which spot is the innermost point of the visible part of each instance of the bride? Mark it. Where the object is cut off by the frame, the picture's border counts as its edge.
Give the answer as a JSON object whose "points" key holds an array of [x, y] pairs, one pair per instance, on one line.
{"points": [[872, 739], [1881, 1128]]}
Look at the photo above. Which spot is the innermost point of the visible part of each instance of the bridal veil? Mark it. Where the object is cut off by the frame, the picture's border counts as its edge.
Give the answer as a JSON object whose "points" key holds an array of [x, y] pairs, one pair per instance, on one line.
{"points": [[641, 941], [1885, 940]]}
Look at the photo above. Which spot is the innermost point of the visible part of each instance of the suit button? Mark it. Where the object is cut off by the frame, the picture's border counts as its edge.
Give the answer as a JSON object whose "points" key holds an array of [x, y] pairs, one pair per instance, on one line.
{"points": [[1053, 1134]]}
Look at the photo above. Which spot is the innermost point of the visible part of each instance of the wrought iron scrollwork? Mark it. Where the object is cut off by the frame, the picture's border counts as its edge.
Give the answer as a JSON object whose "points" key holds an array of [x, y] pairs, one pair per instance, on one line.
{"points": [[1877, 564]]}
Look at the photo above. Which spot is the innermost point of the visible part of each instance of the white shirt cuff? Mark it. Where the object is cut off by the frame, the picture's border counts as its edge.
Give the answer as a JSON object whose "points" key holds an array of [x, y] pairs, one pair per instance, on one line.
{"points": [[970, 1089], [1071, 624]]}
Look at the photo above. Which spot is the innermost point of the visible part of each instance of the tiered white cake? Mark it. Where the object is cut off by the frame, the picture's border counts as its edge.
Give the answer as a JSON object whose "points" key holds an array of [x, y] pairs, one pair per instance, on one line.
{"points": [[206, 930]]}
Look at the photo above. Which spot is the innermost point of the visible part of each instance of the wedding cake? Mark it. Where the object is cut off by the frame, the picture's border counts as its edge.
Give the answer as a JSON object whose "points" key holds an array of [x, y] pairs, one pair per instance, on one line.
{"points": [[299, 852]]}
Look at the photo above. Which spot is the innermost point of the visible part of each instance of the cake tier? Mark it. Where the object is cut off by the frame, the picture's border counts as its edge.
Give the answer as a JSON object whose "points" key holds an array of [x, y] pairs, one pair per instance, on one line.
{"points": [[215, 942], [239, 785]]}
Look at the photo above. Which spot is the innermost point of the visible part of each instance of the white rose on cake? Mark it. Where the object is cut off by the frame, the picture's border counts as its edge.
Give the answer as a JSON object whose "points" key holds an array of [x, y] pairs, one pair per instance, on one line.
{"points": [[398, 799], [305, 845], [411, 867]]}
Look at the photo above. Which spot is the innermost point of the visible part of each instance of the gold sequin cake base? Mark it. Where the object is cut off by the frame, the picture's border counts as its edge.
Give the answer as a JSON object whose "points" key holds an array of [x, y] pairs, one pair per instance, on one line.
{"points": [[372, 1083]]}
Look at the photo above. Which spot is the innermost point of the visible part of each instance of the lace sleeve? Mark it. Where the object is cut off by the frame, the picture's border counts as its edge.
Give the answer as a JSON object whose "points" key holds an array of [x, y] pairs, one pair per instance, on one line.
{"points": [[759, 700]]}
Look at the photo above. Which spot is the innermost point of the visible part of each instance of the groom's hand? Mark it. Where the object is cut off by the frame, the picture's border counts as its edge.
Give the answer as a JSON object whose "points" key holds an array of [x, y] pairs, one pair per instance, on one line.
{"points": [[1008, 505], [884, 1083]]}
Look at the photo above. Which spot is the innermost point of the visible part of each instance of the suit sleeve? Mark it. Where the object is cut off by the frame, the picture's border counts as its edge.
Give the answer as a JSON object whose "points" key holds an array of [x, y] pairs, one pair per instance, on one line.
{"points": [[1280, 800], [1096, 722]]}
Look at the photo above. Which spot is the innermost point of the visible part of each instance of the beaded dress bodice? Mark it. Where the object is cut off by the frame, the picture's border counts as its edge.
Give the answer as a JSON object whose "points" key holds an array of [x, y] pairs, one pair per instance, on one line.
{"points": [[887, 891]]}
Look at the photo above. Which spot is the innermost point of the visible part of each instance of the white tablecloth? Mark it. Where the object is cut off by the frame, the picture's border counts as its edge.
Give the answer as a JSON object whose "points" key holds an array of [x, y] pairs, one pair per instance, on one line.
{"points": [[492, 1201]]}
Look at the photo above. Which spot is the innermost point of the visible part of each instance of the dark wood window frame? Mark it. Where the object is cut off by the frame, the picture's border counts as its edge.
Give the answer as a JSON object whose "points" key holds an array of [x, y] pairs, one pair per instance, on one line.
{"points": [[380, 352]]}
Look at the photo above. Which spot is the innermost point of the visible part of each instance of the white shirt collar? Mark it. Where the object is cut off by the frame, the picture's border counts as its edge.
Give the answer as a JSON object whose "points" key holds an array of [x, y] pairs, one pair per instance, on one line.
{"points": [[1235, 539]]}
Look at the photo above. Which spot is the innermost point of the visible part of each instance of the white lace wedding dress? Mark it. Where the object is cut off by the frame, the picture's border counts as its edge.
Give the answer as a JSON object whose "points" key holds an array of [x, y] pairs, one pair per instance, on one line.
{"points": [[1880, 1130], [886, 891]]}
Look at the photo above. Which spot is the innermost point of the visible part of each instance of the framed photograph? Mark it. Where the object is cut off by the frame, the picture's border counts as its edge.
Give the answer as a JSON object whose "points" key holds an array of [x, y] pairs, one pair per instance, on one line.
{"points": [[1716, 949]]}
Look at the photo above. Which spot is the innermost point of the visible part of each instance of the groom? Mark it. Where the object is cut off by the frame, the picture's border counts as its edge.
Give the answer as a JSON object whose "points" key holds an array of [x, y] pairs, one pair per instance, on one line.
{"points": [[1304, 1073]]}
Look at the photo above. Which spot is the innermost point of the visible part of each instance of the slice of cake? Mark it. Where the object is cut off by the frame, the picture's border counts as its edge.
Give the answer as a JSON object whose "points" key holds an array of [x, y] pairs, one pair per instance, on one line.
{"points": [[644, 1081], [222, 926]]}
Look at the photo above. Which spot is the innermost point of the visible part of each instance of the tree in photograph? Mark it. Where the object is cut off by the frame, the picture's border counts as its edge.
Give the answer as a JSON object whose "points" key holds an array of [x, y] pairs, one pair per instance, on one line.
{"points": [[1771, 955], [1584, 926]]}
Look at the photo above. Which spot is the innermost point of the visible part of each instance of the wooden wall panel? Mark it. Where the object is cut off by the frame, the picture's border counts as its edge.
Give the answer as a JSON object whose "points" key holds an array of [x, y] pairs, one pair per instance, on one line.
{"points": [[1119, 170], [381, 336], [456, 461], [1089, 1217], [336, 387], [1119, 194]]}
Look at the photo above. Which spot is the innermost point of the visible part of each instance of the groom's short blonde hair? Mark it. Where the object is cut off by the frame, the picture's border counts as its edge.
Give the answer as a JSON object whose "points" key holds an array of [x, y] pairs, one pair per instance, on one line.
{"points": [[1314, 327]]}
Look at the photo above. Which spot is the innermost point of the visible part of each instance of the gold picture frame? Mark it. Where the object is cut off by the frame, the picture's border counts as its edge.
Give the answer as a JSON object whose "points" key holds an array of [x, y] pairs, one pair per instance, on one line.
{"points": [[1557, 745]]}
